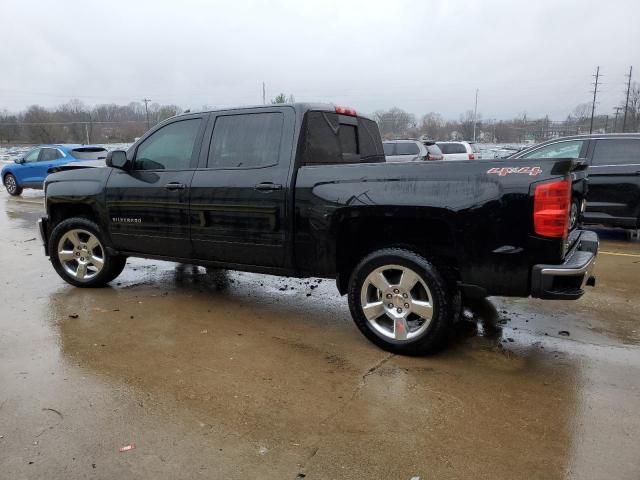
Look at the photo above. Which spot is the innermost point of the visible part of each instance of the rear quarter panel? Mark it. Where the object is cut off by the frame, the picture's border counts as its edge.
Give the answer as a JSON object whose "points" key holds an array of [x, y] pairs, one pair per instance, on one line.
{"points": [[489, 215]]}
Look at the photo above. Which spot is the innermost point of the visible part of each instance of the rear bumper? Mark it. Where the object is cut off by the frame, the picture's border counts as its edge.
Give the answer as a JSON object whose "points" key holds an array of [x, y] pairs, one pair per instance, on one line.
{"points": [[43, 226], [567, 280]]}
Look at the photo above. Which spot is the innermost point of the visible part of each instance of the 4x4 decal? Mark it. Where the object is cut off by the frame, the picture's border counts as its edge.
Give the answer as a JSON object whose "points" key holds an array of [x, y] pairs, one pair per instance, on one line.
{"points": [[504, 171]]}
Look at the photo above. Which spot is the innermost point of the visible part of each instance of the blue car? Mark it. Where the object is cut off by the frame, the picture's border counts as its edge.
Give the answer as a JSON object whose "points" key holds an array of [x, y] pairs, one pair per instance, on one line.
{"points": [[30, 170]]}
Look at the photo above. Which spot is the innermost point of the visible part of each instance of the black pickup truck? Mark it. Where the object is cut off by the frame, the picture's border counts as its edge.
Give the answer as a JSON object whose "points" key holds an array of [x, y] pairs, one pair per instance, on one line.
{"points": [[304, 190]]}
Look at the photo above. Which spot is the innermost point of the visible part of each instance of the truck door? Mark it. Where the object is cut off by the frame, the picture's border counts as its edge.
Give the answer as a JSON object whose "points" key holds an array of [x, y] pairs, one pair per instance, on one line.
{"points": [[148, 205], [239, 195], [614, 182]]}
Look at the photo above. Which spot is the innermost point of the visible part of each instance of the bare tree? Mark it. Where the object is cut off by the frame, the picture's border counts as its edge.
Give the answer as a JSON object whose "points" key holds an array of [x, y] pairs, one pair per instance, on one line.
{"points": [[395, 122], [433, 126], [466, 125]]}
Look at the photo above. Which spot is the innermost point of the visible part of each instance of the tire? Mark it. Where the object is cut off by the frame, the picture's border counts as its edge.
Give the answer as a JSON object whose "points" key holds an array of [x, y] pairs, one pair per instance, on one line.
{"points": [[417, 330], [11, 184], [78, 253], [574, 214]]}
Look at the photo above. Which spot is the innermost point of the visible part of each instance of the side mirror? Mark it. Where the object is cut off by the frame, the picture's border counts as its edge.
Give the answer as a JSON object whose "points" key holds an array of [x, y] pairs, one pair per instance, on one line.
{"points": [[117, 159], [19, 160]]}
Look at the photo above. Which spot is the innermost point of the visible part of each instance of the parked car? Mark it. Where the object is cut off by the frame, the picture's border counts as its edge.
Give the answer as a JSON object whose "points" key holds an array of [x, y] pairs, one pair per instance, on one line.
{"points": [[303, 190], [460, 150], [411, 151], [613, 198], [30, 170]]}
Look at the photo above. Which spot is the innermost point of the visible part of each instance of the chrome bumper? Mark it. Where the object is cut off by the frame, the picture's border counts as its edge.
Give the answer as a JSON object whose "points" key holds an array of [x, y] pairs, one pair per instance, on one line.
{"points": [[567, 280]]}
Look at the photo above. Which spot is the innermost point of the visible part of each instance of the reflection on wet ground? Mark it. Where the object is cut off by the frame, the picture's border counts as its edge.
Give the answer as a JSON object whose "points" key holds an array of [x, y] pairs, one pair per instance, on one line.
{"points": [[233, 375]]}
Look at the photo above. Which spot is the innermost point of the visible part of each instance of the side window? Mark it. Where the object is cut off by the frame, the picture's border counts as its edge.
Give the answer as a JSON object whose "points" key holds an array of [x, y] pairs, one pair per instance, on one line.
{"points": [[330, 138], [404, 148], [32, 156], [248, 140], [49, 154], [388, 149], [616, 152], [169, 148], [570, 149]]}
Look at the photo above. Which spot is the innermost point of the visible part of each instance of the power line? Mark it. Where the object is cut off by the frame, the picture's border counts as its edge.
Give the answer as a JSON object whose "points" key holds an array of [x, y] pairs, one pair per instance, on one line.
{"points": [[72, 123]]}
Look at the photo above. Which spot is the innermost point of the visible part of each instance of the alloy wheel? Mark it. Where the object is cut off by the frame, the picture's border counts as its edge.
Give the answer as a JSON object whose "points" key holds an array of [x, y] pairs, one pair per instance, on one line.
{"points": [[10, 184], [396, 302], [81, 254]]}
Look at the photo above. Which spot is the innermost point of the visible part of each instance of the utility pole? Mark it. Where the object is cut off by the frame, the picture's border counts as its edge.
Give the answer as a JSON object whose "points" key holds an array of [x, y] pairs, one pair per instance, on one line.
{"points": [[626, 105], [146, 109], [264, 94], [475, 116], [615, 121], [595, 92]]}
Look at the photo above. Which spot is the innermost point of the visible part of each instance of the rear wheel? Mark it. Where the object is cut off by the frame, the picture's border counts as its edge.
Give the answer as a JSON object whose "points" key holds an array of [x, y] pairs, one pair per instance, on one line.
{"points": [[79, 255], [400, 302], [574, 213], [11, 184]]}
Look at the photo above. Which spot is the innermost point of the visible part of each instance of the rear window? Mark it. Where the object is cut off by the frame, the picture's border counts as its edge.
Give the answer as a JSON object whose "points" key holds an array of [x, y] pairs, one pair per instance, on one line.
{"points": [[474, 147], [388, 148], [406, 148], [331, 138], [616, 152], [449, 148], [348, 139], [89, 153]]}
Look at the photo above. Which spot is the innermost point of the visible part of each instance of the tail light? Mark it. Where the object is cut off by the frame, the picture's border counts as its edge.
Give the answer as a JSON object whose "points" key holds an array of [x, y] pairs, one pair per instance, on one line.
{"points": [[346, 111], [551, 201], [472, 156]]}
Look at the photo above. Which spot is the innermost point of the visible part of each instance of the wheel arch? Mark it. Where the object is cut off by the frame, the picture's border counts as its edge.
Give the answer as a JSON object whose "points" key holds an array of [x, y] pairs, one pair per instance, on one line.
{"points": [[429, 232]]}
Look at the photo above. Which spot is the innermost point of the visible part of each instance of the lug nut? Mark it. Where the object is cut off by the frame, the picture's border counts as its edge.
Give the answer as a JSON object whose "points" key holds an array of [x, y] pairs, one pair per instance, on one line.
{"points": [[406, 305], [399, 310], [395, 290], [77, 254], [404, 295], [391, 305], [82, 259], [389, 295]]}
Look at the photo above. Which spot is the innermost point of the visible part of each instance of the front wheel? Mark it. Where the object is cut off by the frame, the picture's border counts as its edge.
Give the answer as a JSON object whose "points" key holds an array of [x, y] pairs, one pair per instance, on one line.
{"points": [[79, 255], [400, 302], [11, 184]]}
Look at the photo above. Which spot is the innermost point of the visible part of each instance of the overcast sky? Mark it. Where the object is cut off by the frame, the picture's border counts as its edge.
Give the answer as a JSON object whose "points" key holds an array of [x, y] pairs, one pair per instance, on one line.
{"points": [[533, 56]]}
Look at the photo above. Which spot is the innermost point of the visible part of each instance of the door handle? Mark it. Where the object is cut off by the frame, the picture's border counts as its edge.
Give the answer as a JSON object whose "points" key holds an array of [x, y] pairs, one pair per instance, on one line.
{"points": [[175, 186], [267, 187]]}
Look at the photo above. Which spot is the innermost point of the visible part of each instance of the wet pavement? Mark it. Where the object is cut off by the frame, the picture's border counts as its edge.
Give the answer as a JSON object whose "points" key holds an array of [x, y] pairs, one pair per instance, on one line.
{"points": [[214, 374]]}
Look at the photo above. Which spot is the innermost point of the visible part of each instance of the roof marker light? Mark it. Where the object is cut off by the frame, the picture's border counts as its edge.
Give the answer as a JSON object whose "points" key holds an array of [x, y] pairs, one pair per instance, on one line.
{"points": [[346, 111]]}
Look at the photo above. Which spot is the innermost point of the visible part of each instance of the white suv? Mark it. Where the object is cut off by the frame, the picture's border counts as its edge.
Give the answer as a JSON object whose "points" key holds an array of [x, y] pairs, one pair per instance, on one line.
{"points": [[460, 150], [411, 151]]}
